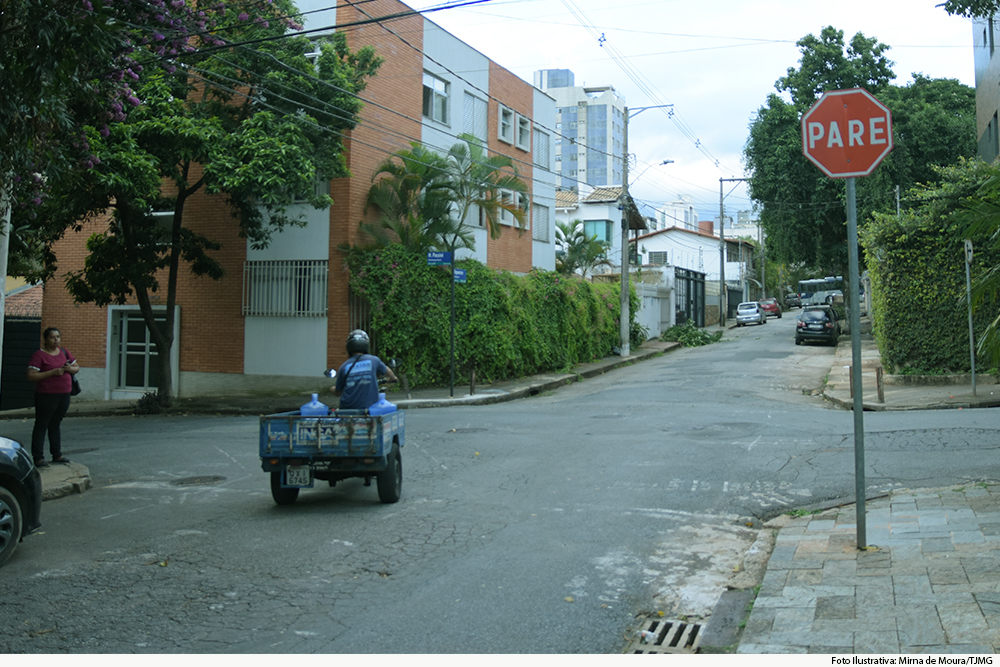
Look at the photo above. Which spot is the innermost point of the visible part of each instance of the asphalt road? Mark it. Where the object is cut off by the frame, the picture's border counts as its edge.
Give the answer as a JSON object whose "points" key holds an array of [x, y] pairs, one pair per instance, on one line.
{"points": [[543, 525]]}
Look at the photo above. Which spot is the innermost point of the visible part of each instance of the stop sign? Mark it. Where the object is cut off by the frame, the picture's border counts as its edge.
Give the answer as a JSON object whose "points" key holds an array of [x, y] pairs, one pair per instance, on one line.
{"points": [[847, 133]]}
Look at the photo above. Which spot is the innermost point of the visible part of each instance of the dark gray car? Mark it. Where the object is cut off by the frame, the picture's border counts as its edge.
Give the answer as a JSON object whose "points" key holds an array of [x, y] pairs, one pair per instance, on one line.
{"points": [[20, 496]]}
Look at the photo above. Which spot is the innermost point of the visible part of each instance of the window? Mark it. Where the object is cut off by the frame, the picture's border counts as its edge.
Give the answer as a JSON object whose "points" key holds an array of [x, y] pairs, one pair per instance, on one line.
{"points": [[602, 229], [523, 133], [540, 223], [474, 117], [505, 129], [435, 98], [285, 288], [541, 151], [508, 197]]}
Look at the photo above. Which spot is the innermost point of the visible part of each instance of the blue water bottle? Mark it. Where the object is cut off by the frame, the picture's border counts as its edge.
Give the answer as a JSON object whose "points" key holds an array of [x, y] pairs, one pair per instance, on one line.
{"points": [[314, 408]]}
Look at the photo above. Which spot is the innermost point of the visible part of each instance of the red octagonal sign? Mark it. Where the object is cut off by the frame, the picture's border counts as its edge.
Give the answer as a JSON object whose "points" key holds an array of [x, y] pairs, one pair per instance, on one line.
{"points": [[847, 133]]}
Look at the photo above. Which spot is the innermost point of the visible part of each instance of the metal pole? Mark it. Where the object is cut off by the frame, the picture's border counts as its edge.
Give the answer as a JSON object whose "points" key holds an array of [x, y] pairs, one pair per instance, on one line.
{"points": [[624, 319], [452, 390], [722, 259], [859, 425], [968, 297]]}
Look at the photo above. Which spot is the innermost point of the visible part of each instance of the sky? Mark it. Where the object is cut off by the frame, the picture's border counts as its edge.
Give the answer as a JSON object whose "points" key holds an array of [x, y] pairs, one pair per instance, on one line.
{"points": [[715, 62]]}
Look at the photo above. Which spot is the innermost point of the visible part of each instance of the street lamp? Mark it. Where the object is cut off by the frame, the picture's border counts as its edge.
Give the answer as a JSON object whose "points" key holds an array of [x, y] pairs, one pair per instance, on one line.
{"points": [[626, 205]]}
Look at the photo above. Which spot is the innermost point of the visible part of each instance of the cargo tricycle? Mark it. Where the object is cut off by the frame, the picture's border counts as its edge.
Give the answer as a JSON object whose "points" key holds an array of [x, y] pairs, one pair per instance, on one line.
{"points": [[298, 449]]}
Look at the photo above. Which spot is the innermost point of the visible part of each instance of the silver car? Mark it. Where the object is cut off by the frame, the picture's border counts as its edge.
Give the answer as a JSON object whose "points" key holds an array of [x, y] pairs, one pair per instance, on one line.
{"points": [[750, 312]]}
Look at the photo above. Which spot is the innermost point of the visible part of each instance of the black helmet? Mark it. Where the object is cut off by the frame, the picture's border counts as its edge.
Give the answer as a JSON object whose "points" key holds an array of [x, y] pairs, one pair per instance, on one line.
{"points": [[357, 341]]}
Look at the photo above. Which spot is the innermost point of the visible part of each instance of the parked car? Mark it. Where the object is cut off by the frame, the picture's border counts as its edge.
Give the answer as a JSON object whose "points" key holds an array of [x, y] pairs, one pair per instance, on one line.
{"points": [[793, 300], [750, 312], [771, 307], [818, 323], [20, 496]]}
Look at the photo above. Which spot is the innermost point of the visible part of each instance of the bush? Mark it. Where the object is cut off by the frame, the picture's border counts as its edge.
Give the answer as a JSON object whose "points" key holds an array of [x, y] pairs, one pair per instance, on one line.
{"points": [[916, 263], [506, 326], [688, 335]]}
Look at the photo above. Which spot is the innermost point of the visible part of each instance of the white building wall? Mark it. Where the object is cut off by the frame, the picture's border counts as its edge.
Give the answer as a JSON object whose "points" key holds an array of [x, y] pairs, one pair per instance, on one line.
{"points": [[289, 345], [444, 52], [543, 253]]}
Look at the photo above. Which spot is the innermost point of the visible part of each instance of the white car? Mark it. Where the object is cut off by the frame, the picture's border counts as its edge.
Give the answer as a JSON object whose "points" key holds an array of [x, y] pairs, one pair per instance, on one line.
{"points": [[750, 312]]}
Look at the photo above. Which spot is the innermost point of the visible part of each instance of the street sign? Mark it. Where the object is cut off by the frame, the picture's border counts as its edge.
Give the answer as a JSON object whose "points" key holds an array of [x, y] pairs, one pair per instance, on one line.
{"points": [[459, 275], [968, 251], [438, 258], [847, 133]]}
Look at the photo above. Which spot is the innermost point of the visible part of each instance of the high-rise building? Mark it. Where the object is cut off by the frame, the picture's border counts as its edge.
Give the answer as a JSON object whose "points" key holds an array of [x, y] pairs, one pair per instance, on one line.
{"points": [[590, 130]]}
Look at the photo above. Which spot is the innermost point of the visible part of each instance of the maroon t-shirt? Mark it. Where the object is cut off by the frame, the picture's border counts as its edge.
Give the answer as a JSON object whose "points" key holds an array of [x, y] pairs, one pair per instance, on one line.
{"points": [[56, 384]]}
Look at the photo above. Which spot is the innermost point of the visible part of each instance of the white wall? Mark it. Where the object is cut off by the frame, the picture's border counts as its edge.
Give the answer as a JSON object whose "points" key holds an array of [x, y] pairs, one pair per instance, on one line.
{"points": [[289, 345]]}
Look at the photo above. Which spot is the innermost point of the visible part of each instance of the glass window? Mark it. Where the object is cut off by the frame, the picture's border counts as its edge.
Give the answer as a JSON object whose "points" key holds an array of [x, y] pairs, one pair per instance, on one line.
{"points": [[435, 98]]}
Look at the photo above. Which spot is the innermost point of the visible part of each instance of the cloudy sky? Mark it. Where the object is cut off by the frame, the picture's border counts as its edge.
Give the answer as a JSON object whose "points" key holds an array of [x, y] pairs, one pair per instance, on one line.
{"points": [[715, 61]]}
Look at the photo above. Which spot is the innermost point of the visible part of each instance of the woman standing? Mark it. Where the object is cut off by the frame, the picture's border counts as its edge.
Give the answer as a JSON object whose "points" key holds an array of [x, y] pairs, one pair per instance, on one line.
{"points": [[53, 368]]}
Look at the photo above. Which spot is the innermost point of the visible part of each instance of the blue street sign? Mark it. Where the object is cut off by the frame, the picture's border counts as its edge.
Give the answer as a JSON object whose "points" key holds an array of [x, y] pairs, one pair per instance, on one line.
{"points": [[459, 275], [438, 258]]}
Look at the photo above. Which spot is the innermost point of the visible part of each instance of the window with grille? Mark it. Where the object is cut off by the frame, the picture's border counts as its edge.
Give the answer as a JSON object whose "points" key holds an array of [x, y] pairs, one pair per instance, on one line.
{"points": [[661, 257], [435, 98], [285, 288], [540, 223], [474, 116]]}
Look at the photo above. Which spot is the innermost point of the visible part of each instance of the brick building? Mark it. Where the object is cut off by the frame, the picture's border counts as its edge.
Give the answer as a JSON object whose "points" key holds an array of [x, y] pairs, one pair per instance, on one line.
{"points": [[281, 315]]}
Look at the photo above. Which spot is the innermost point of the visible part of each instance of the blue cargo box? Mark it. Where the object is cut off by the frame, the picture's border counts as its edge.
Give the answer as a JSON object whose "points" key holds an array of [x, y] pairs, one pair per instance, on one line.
{"points": [[347, 433]]}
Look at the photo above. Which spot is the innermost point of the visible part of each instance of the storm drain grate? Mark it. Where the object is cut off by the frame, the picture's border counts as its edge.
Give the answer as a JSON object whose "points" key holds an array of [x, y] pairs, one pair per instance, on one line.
{"points": [[668, 636]]}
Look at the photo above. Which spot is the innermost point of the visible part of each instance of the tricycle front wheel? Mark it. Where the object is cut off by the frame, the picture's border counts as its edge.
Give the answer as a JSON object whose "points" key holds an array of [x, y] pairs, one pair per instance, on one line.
{"points": [[390, 480], [281, 495]]}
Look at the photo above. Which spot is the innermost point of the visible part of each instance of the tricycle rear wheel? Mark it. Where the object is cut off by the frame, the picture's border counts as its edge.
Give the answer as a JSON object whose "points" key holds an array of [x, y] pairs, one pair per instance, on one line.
{"points": [[390, 480], [281, 495]]}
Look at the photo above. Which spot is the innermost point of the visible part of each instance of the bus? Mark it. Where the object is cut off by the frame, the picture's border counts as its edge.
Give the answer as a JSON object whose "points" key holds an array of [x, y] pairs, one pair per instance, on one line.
{"points": [[820, 290]]}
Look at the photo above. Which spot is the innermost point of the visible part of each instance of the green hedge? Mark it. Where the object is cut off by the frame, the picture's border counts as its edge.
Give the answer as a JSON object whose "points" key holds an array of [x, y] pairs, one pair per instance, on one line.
{"points": [[916, 263], [507, 326]]}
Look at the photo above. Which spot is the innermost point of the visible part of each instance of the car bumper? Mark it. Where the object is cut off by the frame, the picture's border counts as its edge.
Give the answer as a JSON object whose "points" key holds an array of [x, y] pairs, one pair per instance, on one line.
{"points": [[828, 336], [33, 507], [748, 320]]}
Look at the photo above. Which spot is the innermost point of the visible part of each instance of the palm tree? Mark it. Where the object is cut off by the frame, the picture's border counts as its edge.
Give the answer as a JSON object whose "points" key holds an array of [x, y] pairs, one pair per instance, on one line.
{"points": [[415, 200], [577, 251], [489, 182]]}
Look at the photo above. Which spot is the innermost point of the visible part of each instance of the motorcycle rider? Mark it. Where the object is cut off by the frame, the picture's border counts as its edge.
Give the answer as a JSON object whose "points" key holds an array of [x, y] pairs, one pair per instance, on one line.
{"points": [[357, 378]]}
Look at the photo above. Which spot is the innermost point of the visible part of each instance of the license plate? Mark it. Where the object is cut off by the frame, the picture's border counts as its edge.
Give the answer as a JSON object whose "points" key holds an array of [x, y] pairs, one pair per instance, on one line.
{"points": [[298, 476], [815, 326]]}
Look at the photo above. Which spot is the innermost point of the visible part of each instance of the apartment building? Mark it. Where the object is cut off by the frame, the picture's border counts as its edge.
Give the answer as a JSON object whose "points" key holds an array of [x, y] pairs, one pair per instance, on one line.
{"points": [[590, 121], [281, 315]]}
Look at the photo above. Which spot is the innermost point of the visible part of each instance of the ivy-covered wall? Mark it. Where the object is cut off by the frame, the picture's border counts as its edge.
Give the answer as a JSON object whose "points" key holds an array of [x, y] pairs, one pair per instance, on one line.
{"points": [[507, 326], [916, 263]]}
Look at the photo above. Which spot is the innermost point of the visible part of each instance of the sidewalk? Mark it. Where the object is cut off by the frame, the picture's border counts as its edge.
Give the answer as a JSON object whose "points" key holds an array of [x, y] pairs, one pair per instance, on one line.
{"points": [[929, 581]]}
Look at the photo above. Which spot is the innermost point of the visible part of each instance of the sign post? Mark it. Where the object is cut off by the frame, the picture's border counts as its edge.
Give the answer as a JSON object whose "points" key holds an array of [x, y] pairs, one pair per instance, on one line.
{"points": [[968, 298], [846, 134], [441, 259]]}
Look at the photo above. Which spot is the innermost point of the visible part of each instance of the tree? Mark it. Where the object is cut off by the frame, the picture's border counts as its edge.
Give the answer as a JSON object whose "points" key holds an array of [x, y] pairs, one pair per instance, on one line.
{"points": [[972, 8], [577, 251], [414, 199], [490, 183], [257, 125], [802, 210], [426, 198]]}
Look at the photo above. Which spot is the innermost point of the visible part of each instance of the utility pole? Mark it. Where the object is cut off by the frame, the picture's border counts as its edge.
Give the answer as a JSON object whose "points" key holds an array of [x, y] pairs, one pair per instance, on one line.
{"points": [[626, 206], [723, 295]]}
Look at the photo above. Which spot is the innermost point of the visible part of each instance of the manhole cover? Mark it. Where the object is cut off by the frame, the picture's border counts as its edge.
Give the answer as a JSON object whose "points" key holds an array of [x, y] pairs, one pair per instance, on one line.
{"points": [[466, 430], [667, 636], [203, 480]]}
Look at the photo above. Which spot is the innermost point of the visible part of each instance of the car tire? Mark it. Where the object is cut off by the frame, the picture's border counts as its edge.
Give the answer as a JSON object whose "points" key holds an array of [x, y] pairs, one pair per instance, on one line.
{"points": [[798, 341], [11, 522], [390, 480], [281, 495]]}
